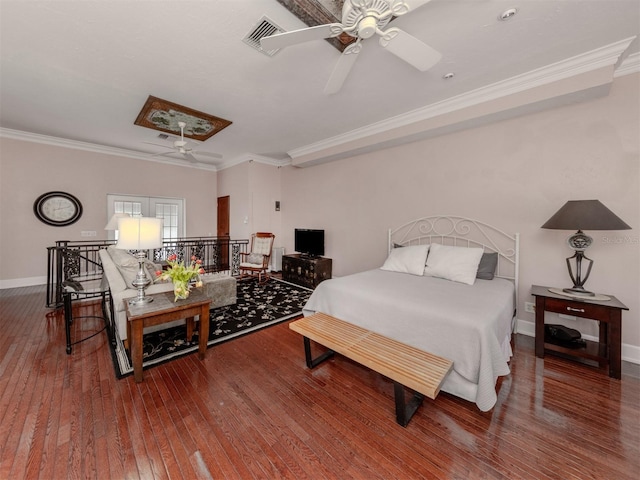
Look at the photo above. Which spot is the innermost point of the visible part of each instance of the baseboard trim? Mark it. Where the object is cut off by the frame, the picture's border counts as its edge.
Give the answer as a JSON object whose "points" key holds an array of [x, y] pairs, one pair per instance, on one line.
{"points": [[630, 353], [22, 282]]}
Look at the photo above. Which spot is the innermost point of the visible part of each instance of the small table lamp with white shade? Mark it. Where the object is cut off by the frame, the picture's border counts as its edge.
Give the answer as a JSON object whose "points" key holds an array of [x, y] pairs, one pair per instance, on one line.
{"points": [[140, 234]]}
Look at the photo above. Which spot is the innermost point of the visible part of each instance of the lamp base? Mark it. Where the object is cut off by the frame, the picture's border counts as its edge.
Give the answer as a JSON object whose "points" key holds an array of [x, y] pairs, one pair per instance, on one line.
{"points": [[140, 300], [140, 282], [579, 242], [579, 291]]}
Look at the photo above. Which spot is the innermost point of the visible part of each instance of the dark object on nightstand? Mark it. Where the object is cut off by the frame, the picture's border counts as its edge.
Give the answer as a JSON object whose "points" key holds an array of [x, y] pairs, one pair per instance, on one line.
{"points": [[607, 351], [562, 335]]}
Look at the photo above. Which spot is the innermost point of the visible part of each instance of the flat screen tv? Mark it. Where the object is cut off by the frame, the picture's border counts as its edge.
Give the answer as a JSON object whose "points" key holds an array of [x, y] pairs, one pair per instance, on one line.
{"points": [[309, 242]]}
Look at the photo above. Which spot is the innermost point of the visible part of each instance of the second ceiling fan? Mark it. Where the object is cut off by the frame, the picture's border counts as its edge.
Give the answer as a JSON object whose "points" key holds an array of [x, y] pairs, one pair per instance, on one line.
{"points": [[181, 147], [362, 19]]}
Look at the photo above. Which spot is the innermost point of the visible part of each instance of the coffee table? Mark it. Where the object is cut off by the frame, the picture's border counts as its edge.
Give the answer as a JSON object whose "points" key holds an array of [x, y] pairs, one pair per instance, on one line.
{"points": [[161, 310]]}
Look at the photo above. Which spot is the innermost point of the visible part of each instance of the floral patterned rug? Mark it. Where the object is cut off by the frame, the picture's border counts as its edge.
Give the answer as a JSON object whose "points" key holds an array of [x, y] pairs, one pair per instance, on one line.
{"points": [[258, 306]]}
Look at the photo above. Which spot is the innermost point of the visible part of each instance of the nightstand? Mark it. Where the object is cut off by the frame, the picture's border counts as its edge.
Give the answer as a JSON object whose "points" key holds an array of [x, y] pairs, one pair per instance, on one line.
{"points": [[607, 350]]}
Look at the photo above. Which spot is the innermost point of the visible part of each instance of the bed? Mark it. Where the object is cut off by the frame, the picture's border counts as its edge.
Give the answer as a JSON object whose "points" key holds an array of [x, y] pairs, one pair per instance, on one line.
{"points": [[468, 321]]}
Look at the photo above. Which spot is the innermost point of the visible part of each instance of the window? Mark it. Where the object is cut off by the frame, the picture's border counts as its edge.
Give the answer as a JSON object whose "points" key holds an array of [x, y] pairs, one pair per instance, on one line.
{"points": [[170, 210]]}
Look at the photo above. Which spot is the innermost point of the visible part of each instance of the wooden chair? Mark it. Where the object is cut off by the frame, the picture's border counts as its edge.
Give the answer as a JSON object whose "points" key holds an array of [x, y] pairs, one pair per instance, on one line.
{"points": [[257, 260]]}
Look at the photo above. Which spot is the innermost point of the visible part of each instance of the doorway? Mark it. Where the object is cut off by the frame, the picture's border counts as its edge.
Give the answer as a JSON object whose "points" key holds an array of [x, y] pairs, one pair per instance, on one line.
{"points": [[170, 210], [223, 229]]}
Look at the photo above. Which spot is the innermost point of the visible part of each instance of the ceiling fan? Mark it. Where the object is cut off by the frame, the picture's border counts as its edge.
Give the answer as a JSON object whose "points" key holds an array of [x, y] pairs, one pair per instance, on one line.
{"points": [[180, 146], [362, 19]]}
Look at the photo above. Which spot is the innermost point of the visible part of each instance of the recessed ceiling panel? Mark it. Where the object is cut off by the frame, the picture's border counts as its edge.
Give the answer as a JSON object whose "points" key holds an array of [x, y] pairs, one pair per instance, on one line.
{"points": [[164, 116]]}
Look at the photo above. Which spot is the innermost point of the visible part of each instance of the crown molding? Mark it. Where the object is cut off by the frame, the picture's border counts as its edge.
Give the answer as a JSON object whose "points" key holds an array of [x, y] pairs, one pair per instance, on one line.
{"points": [[630, 65], [122, 152], [579, 64], [95, 148], [254, 157]]}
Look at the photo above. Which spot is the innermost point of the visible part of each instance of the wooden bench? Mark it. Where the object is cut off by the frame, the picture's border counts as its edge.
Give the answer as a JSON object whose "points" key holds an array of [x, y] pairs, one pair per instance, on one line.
{"points": [[407, 366]]}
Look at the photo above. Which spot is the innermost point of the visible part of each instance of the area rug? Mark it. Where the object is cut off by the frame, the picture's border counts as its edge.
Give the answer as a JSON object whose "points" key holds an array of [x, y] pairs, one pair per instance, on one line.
{"points": [[258, 306]]}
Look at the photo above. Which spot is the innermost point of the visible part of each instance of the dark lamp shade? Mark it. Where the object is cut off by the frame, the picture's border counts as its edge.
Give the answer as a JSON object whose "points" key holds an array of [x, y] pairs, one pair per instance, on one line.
{"points": [[585, 215]]}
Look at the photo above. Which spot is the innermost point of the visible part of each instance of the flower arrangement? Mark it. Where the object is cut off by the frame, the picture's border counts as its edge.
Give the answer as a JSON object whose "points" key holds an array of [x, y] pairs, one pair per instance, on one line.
{"points": [[181, 275]]}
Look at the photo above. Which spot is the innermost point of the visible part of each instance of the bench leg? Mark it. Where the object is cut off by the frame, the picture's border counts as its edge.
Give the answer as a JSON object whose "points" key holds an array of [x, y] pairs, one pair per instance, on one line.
{"points": [[404, 411], [312, 362]]}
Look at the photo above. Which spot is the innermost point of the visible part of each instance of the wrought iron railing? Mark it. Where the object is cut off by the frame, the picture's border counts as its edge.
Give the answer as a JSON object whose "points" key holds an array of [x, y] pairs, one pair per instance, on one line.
{"points": [[80, 261]]}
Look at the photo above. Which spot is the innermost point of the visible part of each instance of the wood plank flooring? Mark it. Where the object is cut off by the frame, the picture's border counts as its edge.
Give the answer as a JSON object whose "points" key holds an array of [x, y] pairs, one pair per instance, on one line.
{"points": [[252, 409]]}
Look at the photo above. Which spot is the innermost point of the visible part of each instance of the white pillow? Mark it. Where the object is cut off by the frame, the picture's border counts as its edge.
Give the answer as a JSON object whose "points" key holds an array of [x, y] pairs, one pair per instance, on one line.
{"points": [[458, 264], [410, 259], [128, 266]]}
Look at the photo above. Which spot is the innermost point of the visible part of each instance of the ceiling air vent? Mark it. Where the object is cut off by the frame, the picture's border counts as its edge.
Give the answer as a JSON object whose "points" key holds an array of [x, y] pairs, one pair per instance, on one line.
{"points": [[264, 28]]}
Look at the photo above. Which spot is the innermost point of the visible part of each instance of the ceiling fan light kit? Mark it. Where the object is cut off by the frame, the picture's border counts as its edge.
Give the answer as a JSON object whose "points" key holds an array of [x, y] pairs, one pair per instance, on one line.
{"points": [[367, 27], [362, 19]]}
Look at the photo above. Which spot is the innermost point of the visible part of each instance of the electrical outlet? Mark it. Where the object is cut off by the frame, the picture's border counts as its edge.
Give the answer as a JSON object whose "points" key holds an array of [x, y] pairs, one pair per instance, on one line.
{"points": [[88, 233], [530, 307]]}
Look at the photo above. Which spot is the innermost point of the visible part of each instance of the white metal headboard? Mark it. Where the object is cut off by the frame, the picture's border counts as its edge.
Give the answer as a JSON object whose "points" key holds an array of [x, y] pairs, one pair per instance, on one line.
{"points": [[460, 231]]}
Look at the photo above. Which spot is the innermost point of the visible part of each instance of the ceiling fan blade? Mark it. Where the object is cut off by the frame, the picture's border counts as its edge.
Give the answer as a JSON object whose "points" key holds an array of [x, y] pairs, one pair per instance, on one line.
{"points": [[281, 40], [400, 7], [342, 68], [207, 154], [410, 49], [159, 145], [189, 156], [163, 154]]}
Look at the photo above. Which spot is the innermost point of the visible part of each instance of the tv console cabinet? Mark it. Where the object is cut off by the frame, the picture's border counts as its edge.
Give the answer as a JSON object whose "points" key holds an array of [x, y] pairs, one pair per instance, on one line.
{"points": [[305, 271]]}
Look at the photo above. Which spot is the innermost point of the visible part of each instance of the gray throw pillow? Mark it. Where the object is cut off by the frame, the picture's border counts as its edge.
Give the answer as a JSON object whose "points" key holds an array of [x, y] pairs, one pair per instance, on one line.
{"points": [[487, 266]]}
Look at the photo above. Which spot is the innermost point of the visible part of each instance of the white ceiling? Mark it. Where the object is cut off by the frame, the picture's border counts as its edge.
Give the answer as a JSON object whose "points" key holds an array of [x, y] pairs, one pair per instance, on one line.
{"points": [[79, 72]]}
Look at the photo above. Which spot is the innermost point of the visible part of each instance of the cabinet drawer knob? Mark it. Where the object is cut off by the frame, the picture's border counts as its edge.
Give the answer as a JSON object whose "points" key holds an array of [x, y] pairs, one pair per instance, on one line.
{"points": [[581, 310]]}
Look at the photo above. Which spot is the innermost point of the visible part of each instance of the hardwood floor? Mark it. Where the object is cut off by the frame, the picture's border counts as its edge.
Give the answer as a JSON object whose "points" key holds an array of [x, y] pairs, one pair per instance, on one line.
{"points": [[252, 409]]}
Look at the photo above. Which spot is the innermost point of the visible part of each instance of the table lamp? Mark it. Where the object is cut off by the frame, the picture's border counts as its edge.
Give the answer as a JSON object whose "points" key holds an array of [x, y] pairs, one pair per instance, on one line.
{"points": [[583, 215], [140, 234]]}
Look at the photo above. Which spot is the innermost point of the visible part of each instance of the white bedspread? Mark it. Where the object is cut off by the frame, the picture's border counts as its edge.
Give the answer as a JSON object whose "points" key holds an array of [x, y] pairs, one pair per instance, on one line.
{"points": [[468, 324]]}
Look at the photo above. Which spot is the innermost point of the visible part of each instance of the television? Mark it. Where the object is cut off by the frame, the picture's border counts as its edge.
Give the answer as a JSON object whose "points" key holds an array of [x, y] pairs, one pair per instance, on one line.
{"points": [[308, 242]]}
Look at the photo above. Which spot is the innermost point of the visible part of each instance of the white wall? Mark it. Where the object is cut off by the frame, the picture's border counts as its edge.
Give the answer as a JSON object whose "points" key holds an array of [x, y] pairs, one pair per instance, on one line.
{"points": [[253, 189], [29, 169], [513, 174], [265, 188], [234, 182]]}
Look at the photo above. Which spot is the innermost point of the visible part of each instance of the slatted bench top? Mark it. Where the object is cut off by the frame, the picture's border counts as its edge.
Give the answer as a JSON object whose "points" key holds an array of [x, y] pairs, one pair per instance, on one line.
{"points": [[418, 370]]}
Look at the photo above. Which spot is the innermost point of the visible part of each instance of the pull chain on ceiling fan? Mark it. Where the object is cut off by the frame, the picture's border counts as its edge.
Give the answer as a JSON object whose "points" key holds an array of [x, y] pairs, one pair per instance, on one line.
{"points": [[362, 19]]}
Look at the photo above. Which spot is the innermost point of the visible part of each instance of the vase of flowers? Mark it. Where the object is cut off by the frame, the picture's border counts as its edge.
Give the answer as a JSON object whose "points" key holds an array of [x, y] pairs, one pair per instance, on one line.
{"points": [[181, 275]]}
